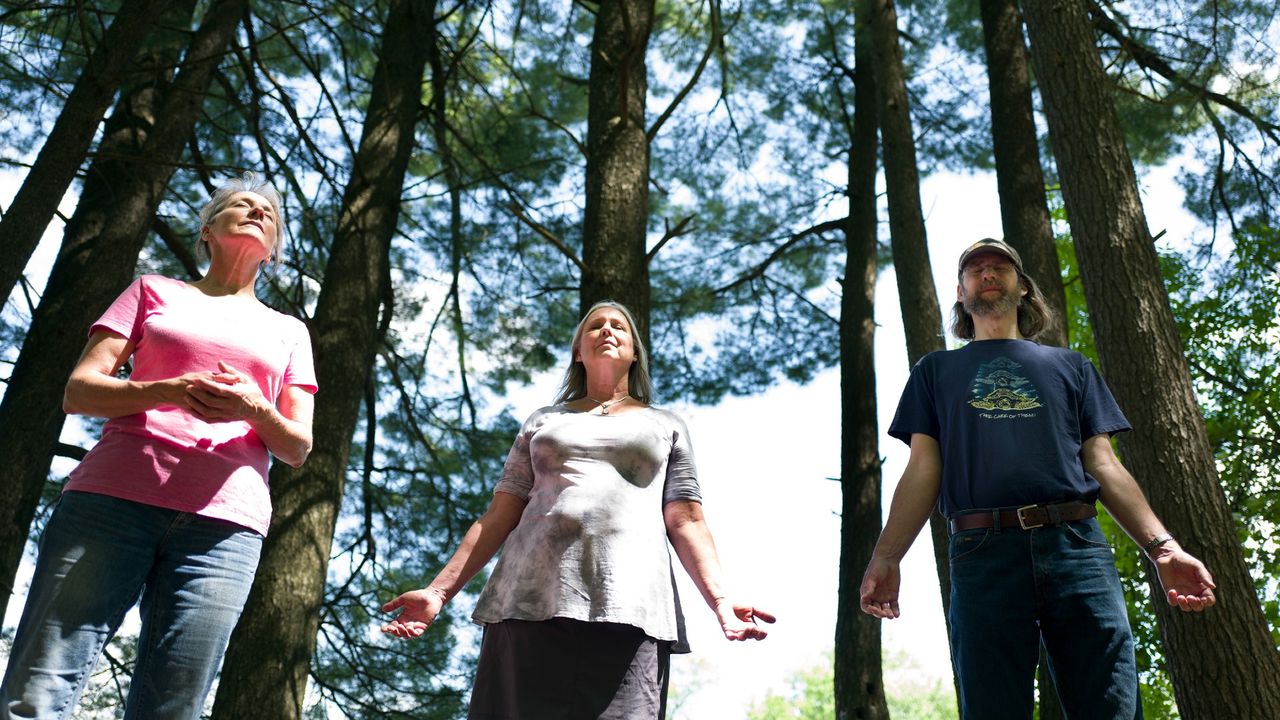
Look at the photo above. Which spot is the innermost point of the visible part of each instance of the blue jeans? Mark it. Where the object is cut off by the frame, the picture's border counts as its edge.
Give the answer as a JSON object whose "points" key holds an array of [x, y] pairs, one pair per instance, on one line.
{"points": [[98, 554], [1013, 589]]}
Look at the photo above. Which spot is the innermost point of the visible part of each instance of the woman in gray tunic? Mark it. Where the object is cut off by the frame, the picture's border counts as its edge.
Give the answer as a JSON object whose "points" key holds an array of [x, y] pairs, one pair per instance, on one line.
{"points": [[581, 612]]}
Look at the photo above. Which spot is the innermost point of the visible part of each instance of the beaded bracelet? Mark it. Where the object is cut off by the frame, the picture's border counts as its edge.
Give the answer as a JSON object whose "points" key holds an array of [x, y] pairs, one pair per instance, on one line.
{"points": [[1156, 542]]}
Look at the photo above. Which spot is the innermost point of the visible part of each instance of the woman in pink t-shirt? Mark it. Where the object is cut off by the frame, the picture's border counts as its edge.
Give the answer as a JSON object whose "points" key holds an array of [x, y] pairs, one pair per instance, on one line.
{"points": [[170, 507]]}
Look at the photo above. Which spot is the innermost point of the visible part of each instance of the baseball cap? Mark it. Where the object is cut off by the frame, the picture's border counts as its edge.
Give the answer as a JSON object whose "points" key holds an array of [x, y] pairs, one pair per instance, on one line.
{"points": [[990, 245]]}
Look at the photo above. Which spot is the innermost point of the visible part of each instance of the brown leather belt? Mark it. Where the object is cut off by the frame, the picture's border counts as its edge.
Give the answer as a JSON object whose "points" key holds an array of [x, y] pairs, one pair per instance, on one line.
{"points": [[1026, 517]]}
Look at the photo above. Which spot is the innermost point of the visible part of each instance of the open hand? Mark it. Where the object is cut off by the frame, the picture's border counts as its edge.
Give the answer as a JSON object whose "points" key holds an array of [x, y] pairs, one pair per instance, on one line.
{"points": [[739, 621], [1187, 583], [879, 591], [419, 609]]}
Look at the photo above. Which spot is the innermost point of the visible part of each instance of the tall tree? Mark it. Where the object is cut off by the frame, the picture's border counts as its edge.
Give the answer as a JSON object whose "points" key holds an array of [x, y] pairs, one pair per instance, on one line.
{"points": [[859, 680], [68, 142], [1139, 349], [266, 667], [615, 220], [917, 297], [99, 251], [1024, 210]]}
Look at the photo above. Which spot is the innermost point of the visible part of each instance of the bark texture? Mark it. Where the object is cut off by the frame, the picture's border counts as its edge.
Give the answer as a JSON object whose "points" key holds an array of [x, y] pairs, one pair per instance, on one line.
{"points": [[917, 297], [99, 251], [1223, 662], [1024, 212], [616, 215], [266, 668], [69, 140], [859, 680]]}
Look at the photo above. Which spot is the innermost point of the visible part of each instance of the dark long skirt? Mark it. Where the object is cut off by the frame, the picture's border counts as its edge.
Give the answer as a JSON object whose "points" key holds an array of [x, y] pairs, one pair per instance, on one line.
{"points": [[561, 669]]}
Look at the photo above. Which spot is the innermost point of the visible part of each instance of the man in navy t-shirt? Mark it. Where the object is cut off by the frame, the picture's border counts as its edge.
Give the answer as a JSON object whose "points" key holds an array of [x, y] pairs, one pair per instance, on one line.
{"points": [[1012, 440]]}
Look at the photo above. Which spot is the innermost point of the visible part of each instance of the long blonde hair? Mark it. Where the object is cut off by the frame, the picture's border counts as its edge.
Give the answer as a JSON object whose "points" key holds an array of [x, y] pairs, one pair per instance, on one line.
{"points": [[639, 384]]}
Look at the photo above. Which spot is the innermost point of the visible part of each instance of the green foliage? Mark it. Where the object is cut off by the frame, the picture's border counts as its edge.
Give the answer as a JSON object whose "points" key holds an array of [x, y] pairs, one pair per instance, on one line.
{"points": [[810, 694], [1230, 328], [912, 696], [1228, 314]]}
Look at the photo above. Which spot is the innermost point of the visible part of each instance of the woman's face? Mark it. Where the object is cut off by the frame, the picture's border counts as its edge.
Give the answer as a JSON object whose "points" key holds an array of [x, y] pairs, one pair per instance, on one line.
{"points": [[246, 224], [606, 335]]}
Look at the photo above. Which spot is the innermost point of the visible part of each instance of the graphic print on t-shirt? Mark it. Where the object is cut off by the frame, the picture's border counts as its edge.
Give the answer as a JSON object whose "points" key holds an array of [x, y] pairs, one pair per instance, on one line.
{"points": [[1002, 391]]}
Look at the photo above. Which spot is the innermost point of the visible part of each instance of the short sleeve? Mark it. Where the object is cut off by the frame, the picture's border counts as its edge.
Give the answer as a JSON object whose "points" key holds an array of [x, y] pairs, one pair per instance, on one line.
{"points": [[916, 409], [301, 370], [517, 472], [1099, 412], [125, 315], [682, 473]]}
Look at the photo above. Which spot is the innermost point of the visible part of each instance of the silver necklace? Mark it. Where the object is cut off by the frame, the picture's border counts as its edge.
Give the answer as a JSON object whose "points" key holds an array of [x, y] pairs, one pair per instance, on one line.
{"points": [[604, 406]]}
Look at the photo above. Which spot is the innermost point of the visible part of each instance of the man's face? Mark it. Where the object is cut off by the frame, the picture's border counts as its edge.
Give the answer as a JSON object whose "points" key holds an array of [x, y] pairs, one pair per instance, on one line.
{"points": [[989, 285]]}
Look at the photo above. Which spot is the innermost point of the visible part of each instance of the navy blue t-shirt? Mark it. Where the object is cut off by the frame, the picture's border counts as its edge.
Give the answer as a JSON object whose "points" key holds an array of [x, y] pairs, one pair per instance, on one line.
{"points": [[1009, 417]]}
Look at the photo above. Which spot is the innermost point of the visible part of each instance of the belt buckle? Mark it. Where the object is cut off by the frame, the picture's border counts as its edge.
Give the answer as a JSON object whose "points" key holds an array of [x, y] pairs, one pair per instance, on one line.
{"points": [[1022, 520]]}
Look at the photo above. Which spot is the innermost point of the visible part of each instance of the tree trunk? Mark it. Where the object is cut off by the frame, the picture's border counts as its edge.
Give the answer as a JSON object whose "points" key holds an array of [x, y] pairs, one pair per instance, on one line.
{"points": [[917, 296], [266, 667], [859, 680], [1024, 211], [1019, 176], [1223, 662], [616, 216], [65, 148], [99, 251]]}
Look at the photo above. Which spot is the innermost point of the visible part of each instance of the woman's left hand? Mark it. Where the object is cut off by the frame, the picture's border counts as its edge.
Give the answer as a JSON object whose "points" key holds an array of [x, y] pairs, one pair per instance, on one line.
{"points": [[739, 621], [229, 395]]}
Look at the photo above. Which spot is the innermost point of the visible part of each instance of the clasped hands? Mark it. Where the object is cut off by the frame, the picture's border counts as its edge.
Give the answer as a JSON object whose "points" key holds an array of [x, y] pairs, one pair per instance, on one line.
{"points": [[222, 396]]}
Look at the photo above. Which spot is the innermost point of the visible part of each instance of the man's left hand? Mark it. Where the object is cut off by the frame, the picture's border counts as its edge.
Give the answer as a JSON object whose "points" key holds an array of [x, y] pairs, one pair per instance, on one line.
{"points": [[1187, 583]]}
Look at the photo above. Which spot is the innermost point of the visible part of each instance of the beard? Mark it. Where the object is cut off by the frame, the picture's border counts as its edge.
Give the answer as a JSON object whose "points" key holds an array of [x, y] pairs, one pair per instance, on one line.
{"points": [[977, 305]]}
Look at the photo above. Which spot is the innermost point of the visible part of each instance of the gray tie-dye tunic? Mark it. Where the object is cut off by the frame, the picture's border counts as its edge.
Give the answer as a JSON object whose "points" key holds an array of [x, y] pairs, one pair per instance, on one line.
{"points": [[591, 544]]}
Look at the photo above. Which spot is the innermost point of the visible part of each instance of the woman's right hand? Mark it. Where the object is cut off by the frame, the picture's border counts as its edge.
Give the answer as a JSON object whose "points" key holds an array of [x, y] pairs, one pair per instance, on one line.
{"points": [[419, 609], [176, 391], [93, 388]]}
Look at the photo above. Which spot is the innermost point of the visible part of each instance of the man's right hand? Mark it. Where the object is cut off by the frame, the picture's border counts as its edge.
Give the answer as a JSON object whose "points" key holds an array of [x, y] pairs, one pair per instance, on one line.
{"points": [[880, 588]]}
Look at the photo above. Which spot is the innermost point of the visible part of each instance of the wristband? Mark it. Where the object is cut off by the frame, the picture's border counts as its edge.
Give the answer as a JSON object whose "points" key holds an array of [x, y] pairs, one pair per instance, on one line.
{"points": [[1156, 542]]}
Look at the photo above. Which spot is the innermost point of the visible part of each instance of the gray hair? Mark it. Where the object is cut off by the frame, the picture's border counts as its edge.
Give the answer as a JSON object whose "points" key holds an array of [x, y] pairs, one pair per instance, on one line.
{"points": [[1034, 315], [221, 198], [639, 383]]}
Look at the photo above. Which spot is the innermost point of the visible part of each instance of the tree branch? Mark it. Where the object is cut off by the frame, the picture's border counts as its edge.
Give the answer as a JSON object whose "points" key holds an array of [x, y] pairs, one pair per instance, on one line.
{"points": [[546, 234], [781, 250], [176, 246], [713, 43], [1149, 59], [672, 232]]}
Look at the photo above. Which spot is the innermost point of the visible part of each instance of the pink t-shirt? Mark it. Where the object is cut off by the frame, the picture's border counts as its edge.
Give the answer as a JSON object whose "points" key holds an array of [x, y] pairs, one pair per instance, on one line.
{"points": [[166, 456]]}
